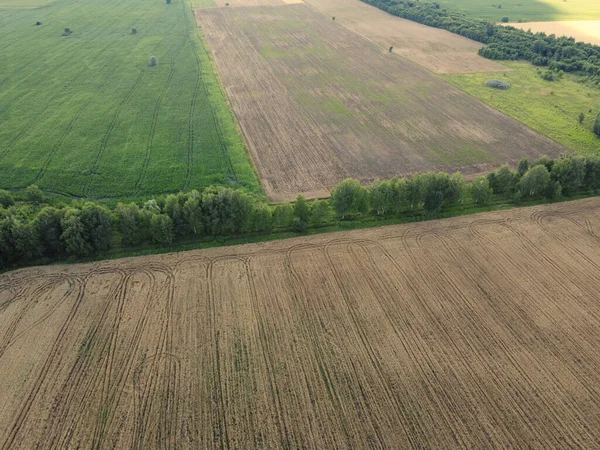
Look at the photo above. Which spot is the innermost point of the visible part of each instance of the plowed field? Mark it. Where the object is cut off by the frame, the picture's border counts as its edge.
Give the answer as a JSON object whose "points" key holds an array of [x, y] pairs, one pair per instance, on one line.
{"points": [[475, 332], [319, 103]]}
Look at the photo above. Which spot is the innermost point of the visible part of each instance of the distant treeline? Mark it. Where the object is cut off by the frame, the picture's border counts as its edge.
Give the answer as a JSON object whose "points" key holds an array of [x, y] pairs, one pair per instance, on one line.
{"points": [[34, 229], [504, 42]]}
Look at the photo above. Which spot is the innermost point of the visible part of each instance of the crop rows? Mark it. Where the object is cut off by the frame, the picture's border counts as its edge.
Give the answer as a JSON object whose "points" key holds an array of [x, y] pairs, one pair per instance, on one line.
{"points": [[466, 333], [85, 115]]}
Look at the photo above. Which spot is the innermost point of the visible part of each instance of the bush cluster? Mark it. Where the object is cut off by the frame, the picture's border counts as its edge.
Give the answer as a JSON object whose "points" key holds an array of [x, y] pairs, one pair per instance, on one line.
{"points": [[497, 84], [32, 228], [503, 42]]}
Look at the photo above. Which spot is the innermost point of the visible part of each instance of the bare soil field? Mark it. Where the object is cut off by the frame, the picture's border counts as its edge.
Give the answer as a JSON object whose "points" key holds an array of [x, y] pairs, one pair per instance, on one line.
{"points": [[475, 332], [438, 50], [582, 30], [317, 103]]}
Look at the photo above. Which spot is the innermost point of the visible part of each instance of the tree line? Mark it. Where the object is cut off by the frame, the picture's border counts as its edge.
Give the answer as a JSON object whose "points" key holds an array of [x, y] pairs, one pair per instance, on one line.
{"points": [[36, 229], [503, 42]]}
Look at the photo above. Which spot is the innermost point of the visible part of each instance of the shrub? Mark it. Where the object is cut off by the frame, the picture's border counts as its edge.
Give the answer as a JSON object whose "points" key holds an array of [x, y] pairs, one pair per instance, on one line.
{"points": [[67, 32], [596, 128], [6, 199], [153, 61], [38, 23], [133, 30], [497, 84], [299, 225]]}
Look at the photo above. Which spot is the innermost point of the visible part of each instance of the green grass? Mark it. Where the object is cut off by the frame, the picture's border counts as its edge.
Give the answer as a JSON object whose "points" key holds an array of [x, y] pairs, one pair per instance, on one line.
{"points": [[85, 115], [23, 3], [526, 10], [551, 108]]}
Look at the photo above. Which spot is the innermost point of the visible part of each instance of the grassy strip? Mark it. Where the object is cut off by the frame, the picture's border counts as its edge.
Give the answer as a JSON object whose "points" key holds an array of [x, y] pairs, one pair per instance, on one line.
{"points": [[551, 108]]}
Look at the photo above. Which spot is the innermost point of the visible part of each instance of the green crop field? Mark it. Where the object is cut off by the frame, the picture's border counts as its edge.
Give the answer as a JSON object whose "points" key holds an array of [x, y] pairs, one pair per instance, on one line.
{"points": [[551, 108], [85, 115], [526, 10]]}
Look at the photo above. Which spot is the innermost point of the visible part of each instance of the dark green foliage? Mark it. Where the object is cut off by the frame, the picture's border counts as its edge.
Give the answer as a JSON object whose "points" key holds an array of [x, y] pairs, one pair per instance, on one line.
{"points": [[523, 167], [283, 215], [569, 173], [498, 84], [503, 181], [504, 19], [320, 212], [49, 227], [74, 235], [192, 210], [581, 117], [134, 31], [350, 197], [132, 224], [263, 218], [67, 32], [301, 210], [153, 61], [226, 211], [34, 194], [596, 127], [6, 199], [98, 226], [161, 229], [535, 182], [299, 225], [29, 231], [481, 191], [503, 43]]}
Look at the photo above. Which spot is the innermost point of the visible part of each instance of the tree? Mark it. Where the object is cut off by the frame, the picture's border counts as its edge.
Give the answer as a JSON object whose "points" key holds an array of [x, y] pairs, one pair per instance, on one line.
{"points": [[161, 229], [283, 215], [6, 198], [174, 209], [298, 225], [225, 211], [592, 173], [73, 235], [34, 194], [415, 191], [153, 61], [320, 212], [263, 218], [596, 128], [569, 173], [48, 223], [192, 209], [503, 181], [349, 197], [131, 224], [535, 181], [26, 240], [301, 209], [481, 191], [581, 117], [381, 196], [523, 167], [133, 31], [98, 226]]}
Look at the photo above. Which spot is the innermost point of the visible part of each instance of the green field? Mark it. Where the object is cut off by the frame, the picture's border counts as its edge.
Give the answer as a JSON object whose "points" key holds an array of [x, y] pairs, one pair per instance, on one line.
{"points": [[84, 115], [551, 108], [526, 10]]}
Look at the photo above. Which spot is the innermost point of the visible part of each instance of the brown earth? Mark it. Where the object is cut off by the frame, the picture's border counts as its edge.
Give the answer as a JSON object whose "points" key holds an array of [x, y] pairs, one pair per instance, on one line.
{"points": [[475, 332], [437, 50], [582, 30], [243, 3], [317, 103]]}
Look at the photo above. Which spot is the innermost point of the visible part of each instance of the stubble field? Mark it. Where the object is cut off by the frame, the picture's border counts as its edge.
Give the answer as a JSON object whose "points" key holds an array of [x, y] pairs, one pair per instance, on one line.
{"points": [[582, 30], [318, 103], [473, 332]]}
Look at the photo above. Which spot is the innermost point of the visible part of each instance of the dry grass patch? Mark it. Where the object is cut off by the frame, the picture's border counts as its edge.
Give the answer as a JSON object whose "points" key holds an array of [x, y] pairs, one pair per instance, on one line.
{"points": [[317, 103], [582, 30], [474, 332]]}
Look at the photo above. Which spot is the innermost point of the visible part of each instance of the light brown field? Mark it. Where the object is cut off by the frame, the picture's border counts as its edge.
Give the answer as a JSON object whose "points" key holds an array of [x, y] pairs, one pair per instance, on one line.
{"points": [[582, 30], [243, 3], [438, 50], [317, 104], [475, 332]]}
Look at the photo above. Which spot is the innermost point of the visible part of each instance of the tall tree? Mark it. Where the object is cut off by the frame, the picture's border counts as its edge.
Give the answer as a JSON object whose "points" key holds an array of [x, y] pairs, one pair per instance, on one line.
{"points": [[192, 209], [161, 228], [481, 191], [349, 197], [535, 181], [301, 209]]}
